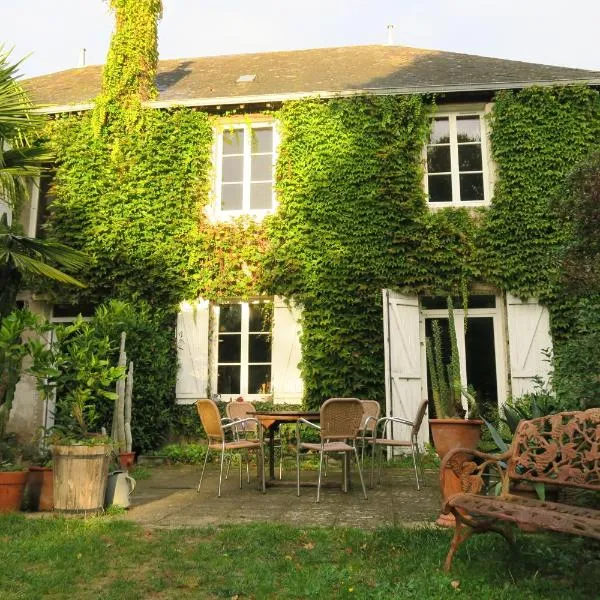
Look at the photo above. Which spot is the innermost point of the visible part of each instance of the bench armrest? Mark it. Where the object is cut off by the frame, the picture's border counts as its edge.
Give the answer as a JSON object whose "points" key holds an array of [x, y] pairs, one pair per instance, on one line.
{"points": [[461, 473]]}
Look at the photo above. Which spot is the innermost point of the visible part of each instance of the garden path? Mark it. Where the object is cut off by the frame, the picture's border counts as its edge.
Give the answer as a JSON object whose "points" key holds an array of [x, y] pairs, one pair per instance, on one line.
{"points": [[169, 499]]}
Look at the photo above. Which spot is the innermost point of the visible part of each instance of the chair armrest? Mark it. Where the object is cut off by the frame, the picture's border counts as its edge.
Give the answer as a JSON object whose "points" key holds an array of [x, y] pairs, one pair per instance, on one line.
{"points": [[459, 464], [367, 421], [241, 422], [394, 420], [305, 422]]}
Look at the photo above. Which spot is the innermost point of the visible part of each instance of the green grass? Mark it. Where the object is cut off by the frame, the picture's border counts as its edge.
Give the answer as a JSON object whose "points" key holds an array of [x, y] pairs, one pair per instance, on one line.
{"points": [[105, 558]]}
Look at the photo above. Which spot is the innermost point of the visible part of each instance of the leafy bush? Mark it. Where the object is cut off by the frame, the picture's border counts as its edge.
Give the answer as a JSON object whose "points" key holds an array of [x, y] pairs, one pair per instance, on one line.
{"points": [[192, 454]]}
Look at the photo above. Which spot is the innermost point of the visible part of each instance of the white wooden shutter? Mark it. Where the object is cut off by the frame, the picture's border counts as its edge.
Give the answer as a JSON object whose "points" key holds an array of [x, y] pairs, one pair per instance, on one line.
{"points": [[286, 380], [403, 386], [528, 336], [192, 352]]}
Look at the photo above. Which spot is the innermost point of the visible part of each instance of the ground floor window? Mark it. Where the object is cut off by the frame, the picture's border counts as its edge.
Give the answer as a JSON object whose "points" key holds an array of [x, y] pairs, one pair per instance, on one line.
{"points": [[243, 348]]}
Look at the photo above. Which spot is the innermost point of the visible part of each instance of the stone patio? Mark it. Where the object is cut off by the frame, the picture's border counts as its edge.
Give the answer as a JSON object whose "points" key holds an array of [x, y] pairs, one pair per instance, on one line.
{"points": [[169, 499]]}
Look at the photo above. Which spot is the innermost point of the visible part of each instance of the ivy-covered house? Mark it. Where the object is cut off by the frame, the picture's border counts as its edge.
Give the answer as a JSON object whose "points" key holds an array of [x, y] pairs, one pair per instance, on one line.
{"points": [[307, 213]]}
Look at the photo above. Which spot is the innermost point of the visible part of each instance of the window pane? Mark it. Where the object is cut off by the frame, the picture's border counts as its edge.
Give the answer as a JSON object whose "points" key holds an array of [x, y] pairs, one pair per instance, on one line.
{"points": [[440, 131], [261, 316], [261, 195], [259, 379], [228, 379], [230, 317], [440, 188], [469, 157], [475, 301], [468, 129], [233, 168], [471, 187], [231, 196], [262, 140], [233, 142], [259, 347], [230, 348], [262, 167], [438, 159]]}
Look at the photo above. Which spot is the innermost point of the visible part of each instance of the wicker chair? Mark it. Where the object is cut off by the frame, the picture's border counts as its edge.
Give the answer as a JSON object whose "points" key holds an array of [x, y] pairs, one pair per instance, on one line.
{"points": [[368, 425], [216, 430], [412, 443], [340, 420], [237, 410]]}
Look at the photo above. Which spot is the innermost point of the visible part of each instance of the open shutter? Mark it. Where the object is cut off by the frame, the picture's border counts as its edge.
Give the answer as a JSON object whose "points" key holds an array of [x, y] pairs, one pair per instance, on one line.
{"points": [[528, 336], [403, 389], [286, 380], [192, 352]]}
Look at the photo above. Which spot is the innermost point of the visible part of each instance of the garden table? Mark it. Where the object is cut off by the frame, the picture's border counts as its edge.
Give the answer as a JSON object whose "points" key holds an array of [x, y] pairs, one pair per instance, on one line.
{"points": [[271, 420]]}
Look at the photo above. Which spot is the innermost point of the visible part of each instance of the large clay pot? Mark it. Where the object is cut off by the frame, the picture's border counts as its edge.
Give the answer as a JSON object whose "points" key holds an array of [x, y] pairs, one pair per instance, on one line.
{"points": [[40, 489], [126, 459], [12, 486], [449, 434], [80, 474]]}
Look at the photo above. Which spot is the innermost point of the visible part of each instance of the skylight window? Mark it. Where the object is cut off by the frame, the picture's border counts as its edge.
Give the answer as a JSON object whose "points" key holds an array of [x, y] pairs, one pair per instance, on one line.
{"points": [[246, 78]]}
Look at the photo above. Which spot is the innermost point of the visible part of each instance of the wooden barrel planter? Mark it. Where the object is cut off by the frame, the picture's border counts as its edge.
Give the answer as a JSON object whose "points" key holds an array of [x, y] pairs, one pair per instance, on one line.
{"points": [[12, 486], [40, 489], [80, 475]]}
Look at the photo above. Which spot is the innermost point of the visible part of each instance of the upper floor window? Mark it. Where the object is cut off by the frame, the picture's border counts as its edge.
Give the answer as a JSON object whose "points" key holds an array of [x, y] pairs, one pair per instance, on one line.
{"points": [[245, 169], [456, 161], [244, 348]]}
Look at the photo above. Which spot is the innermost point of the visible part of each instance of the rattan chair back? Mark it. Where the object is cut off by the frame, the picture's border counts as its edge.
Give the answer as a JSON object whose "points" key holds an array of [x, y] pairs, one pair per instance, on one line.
{"points": [[371, 410], [239, 410], [210, 418], [419, 418], [341, 418]]}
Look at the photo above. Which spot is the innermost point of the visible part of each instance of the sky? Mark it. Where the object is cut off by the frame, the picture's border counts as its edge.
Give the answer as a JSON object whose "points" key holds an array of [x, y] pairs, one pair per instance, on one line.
{"points": [[52, 32]]}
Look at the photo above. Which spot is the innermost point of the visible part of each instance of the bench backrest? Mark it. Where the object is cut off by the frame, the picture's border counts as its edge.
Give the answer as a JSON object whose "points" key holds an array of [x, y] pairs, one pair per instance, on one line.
{"points": [[562, 449]]}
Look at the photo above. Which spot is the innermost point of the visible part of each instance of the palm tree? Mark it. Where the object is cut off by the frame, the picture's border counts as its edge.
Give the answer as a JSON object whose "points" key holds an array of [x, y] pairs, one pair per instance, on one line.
{"points": [[22, 157]]}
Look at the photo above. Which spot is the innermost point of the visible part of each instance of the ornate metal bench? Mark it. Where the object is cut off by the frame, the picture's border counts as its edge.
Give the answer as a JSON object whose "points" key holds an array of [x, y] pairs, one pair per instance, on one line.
{"points": [[561, 450]]}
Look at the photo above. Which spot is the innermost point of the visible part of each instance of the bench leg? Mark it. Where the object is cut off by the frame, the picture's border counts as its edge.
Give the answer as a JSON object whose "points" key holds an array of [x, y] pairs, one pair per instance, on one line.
{"points": [[462, 532], [506, 530]]}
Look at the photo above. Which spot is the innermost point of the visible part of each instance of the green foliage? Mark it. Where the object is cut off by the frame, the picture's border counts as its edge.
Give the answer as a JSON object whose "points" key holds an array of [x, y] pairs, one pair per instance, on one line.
{"points": [[192, 454], [538, 136], [76, 368], [350, 194], [13, 350]]}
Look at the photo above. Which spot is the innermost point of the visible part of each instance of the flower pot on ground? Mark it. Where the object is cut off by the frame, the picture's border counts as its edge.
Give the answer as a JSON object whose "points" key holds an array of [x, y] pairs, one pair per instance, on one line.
{"points": [[451, 428], [126, 459], [12, 487], [40, 489]]}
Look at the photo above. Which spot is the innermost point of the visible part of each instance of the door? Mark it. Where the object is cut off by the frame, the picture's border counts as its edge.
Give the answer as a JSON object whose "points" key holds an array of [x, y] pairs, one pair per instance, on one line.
{"points": [[403, 387], [480, 341]]}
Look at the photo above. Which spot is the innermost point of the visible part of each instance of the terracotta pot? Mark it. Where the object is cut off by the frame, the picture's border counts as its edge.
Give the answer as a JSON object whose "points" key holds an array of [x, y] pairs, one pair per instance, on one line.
{"points": [[12, 486], [80, 474], [449, 434], [40, 492], [126, 459]]}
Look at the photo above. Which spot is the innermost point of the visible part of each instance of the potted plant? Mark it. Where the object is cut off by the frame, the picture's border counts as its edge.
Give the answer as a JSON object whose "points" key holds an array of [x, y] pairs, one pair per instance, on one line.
{"points": [[454, 425], [76, 370]]}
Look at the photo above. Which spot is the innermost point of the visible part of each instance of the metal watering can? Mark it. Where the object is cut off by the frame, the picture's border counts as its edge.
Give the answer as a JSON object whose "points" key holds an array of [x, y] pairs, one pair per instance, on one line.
{"points": [[119, 487]]}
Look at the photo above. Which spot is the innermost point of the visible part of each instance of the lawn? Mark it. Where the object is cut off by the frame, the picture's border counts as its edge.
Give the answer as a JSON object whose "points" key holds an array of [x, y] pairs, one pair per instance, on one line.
{"points": [[108, 558]]}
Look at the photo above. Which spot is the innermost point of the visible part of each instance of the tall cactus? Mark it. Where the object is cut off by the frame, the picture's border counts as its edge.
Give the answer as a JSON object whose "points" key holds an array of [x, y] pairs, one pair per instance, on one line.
{"points": [[121, 425], [446, 385]]}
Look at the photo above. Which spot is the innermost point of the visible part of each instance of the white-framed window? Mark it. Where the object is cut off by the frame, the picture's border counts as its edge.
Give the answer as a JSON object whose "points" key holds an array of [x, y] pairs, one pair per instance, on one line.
{"points": [[242, 356], [457, 160], [245, 161]]}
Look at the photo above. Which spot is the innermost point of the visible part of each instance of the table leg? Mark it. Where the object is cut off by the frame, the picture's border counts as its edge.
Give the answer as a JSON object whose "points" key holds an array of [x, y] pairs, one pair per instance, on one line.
{"points": [[272, 451]]}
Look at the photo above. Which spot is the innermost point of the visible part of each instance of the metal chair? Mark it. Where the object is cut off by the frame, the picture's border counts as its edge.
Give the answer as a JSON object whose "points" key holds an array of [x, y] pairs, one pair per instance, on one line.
{"points": [[340, 420], [412, 443], [236, 411], [215, 431]]}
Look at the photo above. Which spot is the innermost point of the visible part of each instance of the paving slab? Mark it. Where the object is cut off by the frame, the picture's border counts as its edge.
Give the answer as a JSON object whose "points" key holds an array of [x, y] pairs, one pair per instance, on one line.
{"points": [[169, 499]]}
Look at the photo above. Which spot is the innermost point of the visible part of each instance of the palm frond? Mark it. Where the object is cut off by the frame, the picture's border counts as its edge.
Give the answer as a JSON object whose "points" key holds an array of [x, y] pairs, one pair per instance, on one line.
{"points": [[36, 267]]}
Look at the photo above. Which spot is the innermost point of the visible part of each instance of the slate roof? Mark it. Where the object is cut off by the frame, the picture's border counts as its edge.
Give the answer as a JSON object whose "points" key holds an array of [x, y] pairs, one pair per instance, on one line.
{"points": [[327, 71]]}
